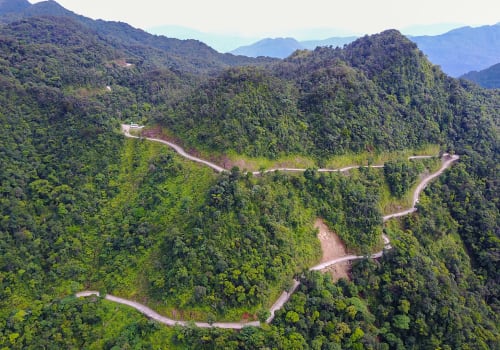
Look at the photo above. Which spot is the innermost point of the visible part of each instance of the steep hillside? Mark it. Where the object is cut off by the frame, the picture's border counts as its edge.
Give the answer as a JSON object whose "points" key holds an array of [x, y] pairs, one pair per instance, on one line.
{"points": [[488, 78], [245, 110], [377, 94], [184, 55]]}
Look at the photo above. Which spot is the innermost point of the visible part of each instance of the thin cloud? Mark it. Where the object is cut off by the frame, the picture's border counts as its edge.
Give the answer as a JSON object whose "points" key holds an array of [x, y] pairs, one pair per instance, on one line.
{"points": [[282, 18]]}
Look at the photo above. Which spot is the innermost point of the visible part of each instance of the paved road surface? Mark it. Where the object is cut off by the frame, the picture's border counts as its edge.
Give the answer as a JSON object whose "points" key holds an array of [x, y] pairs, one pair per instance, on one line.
{"points": [[143, 309], [447, 161], [285, 296]]}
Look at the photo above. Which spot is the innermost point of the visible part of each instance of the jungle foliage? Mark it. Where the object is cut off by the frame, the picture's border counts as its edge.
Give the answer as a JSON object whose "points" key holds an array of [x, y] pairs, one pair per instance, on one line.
{"points": [[82, 207]]}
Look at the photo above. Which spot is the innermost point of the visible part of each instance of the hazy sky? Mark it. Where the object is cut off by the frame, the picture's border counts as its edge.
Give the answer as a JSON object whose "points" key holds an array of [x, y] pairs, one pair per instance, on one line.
{"points": [[272, 18]]}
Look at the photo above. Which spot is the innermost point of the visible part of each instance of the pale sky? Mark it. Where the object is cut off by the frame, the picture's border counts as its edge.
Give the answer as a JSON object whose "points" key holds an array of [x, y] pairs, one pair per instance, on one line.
{"points": [[273, 18]]}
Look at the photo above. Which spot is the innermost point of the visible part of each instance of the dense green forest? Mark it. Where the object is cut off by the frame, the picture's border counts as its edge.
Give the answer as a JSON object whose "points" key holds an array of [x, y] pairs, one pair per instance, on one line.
{"points": [[377, 94], [82, 207]]}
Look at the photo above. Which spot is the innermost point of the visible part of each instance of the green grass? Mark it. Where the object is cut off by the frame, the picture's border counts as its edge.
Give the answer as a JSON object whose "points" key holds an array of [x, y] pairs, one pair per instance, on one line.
{"points": [[348, 159], [378, 158], [246, 163]]}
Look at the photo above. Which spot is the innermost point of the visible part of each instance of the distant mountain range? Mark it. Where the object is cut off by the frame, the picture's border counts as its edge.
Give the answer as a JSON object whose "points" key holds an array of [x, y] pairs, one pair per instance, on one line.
{"points": [[10, 6], [220, 42], [283, 47], [488, 78], [229, 42], [462, 50], [457, 52]]}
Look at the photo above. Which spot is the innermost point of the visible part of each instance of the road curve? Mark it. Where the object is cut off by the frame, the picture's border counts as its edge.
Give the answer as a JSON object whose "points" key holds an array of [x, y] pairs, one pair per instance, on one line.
{"points": [[285, 295], [447, 162], [177, 148], [283, 298], [143, 309]]}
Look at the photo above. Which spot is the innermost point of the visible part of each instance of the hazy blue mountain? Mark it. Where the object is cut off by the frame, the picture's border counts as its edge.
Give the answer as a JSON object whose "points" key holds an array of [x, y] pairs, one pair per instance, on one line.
{"points": [[462, 50], [278, 47], [488, 78], [220, 42], [284, 47], [7, 6]]}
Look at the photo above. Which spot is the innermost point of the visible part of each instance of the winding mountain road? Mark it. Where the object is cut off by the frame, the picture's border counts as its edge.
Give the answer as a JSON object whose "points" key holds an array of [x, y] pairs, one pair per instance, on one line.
{"points": [[162, 319], [126, 131], [285, 296], [177, 148], [447, 161]]}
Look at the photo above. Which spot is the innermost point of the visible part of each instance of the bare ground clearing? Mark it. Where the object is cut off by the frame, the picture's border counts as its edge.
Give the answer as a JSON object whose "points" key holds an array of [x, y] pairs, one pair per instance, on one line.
{"points": [[332, 248]]}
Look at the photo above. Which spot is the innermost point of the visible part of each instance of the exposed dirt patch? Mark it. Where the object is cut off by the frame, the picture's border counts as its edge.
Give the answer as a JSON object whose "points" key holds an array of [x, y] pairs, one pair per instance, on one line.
{"points": [[155, 133], [340, 270], [331, 245], [332, 248]]}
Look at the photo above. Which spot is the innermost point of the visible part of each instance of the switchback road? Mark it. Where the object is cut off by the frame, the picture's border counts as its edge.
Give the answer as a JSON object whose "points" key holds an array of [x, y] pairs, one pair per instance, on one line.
{"points": [[285, 295]]}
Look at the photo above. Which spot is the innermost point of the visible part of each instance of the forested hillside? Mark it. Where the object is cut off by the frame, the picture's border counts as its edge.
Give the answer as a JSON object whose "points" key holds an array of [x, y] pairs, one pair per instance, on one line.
{"points": [[179, 55], [83, 207], [378, 94]]}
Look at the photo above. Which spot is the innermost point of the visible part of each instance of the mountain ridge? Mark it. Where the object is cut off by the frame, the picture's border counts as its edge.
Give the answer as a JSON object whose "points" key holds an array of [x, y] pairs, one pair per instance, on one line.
{"points": [[457, 51], [279, 48], [283, 47], [488, 78], [9, 6], [120, 33]]}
